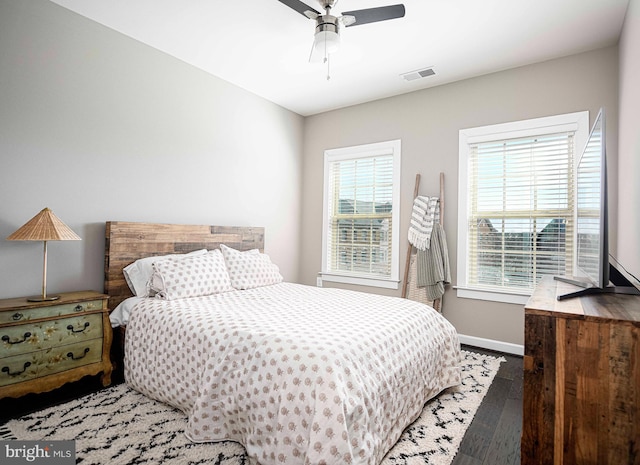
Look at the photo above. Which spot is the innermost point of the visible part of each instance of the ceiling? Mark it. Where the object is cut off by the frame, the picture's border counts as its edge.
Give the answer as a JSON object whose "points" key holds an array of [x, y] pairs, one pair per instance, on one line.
{"points": [[263, 46]]}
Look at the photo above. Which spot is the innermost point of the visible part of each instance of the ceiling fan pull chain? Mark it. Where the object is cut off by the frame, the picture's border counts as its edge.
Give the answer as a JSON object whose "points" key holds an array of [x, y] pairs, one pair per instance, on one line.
{"points": [[328, 61]]}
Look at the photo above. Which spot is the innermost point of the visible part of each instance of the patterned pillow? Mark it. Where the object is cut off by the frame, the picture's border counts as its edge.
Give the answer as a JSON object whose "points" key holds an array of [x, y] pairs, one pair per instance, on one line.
{"points": [[138, 273], [250, 269], [191, 277]]}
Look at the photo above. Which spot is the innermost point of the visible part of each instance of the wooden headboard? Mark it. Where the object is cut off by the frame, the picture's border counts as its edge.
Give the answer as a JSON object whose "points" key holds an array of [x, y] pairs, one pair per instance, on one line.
{"points": [[126, 242]]}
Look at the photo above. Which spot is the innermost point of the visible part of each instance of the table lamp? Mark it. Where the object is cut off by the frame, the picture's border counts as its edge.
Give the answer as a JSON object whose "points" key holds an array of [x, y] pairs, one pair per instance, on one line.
{"points": [[45, 226]]}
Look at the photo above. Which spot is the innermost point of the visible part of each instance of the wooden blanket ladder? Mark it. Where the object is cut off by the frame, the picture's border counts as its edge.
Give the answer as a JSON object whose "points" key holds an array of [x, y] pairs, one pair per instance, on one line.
{"points": [[409, 287]]}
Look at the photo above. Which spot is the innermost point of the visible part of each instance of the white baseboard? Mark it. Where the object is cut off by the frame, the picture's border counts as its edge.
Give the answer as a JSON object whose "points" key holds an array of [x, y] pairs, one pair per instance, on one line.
{"points": [[491, 344]]}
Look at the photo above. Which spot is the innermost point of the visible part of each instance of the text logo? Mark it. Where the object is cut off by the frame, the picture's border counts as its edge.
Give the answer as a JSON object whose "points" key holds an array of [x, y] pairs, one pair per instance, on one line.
{"points": [[38, 452]]}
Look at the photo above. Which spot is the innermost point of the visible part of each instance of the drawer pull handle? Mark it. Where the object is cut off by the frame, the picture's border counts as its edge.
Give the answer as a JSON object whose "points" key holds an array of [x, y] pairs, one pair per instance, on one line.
{"points": [[70, 328], [7, 340], [73, 357], [17, 316], [78, 308], [7, 370]]}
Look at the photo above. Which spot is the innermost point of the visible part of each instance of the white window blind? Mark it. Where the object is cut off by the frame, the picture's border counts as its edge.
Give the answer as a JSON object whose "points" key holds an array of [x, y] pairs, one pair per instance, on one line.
{"points": [[360, 239], [521, 211], [516, 212]]}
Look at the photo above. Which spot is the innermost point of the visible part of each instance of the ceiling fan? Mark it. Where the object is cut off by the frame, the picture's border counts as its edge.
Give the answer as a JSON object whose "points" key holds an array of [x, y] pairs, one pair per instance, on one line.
{"points": [[327, 35]]}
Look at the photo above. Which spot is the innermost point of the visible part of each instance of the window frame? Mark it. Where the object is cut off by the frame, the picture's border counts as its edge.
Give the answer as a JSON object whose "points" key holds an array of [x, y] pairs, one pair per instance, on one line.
{"points": [[393, 148], [577, 121]]}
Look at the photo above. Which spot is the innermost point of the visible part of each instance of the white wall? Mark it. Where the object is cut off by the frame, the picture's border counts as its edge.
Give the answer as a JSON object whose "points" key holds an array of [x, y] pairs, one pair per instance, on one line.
{"points": [[428, 122], [100, 127], [629, 142]]}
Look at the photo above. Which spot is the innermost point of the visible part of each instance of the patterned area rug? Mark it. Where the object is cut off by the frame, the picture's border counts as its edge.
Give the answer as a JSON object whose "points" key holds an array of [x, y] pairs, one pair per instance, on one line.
{"points": [[119, 426]]}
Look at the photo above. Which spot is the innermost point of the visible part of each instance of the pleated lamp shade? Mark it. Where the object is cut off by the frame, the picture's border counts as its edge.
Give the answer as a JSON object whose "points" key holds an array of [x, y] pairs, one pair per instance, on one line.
{"points": [[45, 226]]}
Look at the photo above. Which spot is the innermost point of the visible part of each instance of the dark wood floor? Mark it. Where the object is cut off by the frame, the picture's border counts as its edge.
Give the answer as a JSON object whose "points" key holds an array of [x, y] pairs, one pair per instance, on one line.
{"points": [[493, 438], [14, 408]]}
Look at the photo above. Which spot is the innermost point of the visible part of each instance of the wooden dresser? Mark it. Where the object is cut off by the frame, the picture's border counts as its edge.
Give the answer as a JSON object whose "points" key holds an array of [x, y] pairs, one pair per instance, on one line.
{"points": [[581, 378], [44, 345]]}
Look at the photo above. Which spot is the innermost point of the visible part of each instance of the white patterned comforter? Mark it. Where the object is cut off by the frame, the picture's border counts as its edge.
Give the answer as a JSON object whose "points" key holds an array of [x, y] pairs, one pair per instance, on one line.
{"points": [[297, 374]]}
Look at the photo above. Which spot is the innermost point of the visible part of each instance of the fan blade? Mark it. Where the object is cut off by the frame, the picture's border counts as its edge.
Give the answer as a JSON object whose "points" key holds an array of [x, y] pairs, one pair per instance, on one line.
{"points": [[372, 15], [347, 20], [301, 8]]}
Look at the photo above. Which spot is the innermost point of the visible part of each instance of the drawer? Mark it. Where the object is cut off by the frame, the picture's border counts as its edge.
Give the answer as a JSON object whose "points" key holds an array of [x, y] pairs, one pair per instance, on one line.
{"points": [[26, 314], [25, 367], [32, 337]]}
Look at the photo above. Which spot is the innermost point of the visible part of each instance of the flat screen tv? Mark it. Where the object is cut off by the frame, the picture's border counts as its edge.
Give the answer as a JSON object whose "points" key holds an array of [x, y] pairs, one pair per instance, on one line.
{"points": [[595, 272]]}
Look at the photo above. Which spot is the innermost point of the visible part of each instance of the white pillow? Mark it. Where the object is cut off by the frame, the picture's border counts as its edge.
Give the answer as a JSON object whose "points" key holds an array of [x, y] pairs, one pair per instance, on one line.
{"points": [[138, 273], [190, 277], [250, 269]]}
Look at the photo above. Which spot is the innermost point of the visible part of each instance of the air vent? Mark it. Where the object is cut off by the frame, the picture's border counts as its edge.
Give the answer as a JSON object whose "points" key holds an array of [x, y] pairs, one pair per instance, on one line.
{"points": [[421, 73]]}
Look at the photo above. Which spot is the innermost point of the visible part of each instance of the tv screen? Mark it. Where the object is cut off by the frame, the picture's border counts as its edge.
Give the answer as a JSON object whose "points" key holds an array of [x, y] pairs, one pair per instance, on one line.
{"points": [[596, 272], [592, 255]]}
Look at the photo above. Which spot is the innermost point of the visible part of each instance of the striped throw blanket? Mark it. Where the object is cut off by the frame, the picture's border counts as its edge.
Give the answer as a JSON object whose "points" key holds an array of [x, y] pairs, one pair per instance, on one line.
{"points": [[425, 213]]}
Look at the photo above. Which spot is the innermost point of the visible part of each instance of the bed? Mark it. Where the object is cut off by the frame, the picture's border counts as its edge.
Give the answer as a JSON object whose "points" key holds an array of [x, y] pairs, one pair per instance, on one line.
{"points": [[296, 374]]}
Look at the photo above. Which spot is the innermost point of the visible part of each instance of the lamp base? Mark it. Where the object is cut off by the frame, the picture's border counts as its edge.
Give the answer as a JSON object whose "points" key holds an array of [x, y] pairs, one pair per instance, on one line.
{"points": [[39, 298]]}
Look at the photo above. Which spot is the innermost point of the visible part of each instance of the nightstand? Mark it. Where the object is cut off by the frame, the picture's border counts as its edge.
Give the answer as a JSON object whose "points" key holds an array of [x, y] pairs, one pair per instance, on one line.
{"points": [[44, 345]]}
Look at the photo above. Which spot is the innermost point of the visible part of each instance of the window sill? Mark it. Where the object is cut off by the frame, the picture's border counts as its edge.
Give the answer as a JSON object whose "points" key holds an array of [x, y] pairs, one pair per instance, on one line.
{"points": [[492, 296], [359, 281]]}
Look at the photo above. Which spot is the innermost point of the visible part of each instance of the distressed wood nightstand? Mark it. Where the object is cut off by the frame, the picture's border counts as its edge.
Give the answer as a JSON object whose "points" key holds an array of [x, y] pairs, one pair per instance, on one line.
{"points": [[44, 345]]}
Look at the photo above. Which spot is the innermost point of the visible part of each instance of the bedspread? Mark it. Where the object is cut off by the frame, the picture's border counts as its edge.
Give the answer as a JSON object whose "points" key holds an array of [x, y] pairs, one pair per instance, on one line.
{"points": [[297, 374]]}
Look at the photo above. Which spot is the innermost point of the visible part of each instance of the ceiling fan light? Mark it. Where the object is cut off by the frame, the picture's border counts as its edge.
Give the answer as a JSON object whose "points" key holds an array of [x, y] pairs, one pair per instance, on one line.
{"points": [[326, 41]]}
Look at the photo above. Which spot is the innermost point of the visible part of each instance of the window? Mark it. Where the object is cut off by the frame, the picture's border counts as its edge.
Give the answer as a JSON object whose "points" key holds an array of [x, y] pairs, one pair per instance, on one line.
{"points": [[361, 215], [516, 205]]}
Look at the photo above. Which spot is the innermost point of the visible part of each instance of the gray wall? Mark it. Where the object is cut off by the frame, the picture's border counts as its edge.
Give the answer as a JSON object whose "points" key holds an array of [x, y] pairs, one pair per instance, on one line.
{"points": [[428, 122], [100, 127], [629, 142]]}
